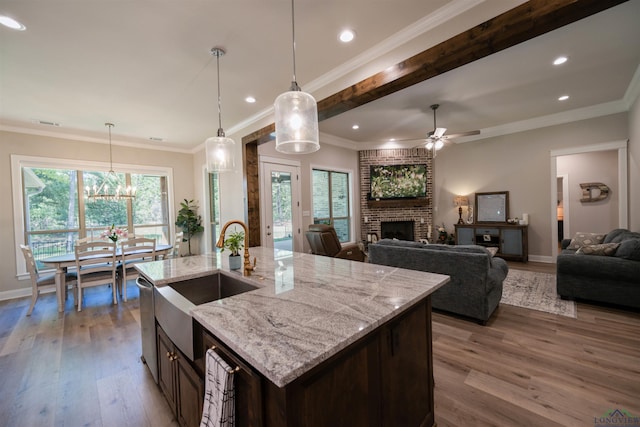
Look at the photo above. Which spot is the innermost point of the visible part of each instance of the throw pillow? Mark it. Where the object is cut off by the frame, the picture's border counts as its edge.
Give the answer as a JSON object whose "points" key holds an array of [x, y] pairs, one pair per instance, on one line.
{"points": [[606, 249], [492, 250], [629, 249], [582, 239]]}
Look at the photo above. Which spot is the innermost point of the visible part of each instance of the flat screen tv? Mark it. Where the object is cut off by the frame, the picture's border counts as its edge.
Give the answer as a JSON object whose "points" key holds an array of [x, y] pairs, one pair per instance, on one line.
{"points": [[398, 181]]}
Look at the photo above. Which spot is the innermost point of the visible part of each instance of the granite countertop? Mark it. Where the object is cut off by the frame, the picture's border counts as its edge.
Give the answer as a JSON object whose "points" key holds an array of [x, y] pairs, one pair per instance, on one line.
{"points": [[307, 307]]}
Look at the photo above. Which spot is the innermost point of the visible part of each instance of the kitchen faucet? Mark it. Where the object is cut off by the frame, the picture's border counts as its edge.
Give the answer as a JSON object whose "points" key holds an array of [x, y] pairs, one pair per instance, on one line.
{"points": [[248, 268]]}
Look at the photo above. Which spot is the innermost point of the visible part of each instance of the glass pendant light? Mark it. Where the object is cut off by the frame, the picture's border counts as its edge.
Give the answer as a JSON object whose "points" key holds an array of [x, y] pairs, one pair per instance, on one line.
{"points": [[296, 114], [220, 150]]}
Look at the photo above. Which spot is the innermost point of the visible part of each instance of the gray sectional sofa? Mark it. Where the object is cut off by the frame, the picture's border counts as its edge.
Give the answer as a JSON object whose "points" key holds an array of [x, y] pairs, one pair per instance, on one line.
{"points": [[475, 288], [606, 271]]}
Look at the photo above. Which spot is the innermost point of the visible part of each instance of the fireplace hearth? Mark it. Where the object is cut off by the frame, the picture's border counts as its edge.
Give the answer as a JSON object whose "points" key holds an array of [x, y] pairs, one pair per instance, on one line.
{"points": [[401, 230]]}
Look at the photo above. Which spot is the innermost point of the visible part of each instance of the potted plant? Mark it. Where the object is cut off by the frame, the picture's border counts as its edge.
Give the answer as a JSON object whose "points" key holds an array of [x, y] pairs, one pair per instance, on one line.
{"points": [[189, 220], [235, 242]]}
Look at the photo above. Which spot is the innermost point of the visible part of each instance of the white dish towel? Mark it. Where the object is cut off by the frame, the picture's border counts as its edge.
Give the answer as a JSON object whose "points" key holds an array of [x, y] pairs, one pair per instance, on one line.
{"points": [[219, 396]]}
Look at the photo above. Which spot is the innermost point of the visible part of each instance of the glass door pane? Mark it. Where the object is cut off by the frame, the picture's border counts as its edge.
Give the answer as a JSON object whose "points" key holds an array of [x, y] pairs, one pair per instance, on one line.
{"points": [[281, 227]]}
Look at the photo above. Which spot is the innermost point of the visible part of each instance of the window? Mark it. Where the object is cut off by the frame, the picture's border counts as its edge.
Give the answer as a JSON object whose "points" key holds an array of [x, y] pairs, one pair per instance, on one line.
{"points": [[55, 213], [214, 207], [332, 201]]}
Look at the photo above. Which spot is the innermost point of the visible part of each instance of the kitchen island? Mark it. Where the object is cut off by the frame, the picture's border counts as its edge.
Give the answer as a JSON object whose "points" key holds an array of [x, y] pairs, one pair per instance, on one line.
{"points": [[320, 341]]}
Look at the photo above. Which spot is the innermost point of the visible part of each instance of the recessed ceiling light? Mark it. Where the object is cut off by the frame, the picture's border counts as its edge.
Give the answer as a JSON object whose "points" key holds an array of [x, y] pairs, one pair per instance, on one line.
{"points": [[355, 127], [560, 60], [11, 23], [346, 36], [250, 99], [563, 98]]}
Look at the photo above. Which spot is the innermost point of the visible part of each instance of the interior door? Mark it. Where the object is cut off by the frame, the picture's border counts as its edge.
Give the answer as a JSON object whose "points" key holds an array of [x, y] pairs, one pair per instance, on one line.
{"points": [[281, 209]]}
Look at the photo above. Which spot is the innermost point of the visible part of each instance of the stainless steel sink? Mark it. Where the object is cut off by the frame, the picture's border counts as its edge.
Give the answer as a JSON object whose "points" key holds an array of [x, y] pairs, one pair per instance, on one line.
{"points": [[173, 304], [211, 288]]}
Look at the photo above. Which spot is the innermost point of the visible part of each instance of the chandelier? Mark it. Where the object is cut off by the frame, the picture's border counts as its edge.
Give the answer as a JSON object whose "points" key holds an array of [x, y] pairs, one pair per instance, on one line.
{"points": [[296, 114], [219, 149], [111, 187]]}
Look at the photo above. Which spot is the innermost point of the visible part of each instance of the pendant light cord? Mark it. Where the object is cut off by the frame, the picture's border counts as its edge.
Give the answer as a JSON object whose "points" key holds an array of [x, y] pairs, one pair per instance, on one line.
{"points": [[220, 131], [110, 125], [294, 83]]}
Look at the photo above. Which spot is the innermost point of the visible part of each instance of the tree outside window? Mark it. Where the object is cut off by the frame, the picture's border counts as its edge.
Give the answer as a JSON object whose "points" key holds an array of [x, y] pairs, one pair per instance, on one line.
{"points": [[54, 219], [332, 201]]}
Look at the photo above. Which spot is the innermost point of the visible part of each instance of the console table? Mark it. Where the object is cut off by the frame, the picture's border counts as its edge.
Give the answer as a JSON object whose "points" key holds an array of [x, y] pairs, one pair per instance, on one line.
{"points": [[510, 239]]}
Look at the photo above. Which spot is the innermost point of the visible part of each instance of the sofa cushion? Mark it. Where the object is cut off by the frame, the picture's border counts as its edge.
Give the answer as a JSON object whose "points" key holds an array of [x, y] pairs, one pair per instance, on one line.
{"points": [[620, 234], [403, 243], [582, 239], [629, 249], [606, 249]]}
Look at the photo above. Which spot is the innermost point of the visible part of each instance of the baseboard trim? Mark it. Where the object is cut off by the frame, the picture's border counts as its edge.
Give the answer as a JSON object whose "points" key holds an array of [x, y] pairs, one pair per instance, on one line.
{"points": [[542, 258], [20, 293]]}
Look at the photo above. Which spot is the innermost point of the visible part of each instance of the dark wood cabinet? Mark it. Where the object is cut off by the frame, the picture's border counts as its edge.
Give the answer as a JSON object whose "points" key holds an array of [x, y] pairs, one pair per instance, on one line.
{"points": [[247, 382], [405, 353], [383, 379], [182, 385], [510, 239]]}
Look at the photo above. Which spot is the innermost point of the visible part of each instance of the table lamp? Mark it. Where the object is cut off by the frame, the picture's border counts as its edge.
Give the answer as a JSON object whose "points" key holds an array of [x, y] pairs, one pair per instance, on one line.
{"points": [[460, 201]]}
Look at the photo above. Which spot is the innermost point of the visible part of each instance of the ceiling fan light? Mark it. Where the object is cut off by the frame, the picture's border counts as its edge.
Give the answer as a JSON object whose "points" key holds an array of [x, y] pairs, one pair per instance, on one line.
{"points": [[429, 145], [296, 120], [439, 144], [439, 132]]}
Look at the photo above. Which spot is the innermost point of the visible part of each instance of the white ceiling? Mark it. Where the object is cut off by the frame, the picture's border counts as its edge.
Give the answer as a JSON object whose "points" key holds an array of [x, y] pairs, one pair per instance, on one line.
{"points": [[146, 67]]}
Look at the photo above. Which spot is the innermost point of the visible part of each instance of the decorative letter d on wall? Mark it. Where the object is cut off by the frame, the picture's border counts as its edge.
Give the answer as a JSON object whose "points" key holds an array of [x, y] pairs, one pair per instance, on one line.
{"points": [[587, 192]]}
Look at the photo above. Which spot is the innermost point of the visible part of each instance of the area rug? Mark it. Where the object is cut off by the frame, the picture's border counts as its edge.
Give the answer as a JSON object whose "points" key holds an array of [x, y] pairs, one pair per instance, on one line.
{"points": [[536, 291]]}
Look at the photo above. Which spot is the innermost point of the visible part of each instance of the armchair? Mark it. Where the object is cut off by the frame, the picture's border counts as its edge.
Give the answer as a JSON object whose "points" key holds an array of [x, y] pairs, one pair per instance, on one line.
{"points": [[324, 241]]}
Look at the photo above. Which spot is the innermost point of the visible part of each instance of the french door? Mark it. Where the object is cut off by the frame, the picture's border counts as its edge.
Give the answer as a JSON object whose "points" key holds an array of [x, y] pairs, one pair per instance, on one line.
{"points": [[281, 206]]}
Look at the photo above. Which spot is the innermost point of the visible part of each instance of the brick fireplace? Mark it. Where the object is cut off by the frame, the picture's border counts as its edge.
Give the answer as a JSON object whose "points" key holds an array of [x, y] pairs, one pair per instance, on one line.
{"points": [[401, 230], [419, 213]]}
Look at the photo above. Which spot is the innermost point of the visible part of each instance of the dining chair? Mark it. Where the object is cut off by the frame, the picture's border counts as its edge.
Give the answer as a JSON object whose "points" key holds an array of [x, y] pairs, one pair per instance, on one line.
{"points": [[41, 281], [88, 239], [96, 265], [133, 251], [177, 242]]}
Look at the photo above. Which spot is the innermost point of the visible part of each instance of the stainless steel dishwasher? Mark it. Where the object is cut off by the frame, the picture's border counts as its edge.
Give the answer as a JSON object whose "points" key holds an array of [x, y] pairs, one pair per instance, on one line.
{"points": [[148, 326]]}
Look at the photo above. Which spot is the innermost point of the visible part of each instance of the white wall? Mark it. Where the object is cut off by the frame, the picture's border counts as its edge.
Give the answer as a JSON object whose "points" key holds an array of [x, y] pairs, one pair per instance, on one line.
{"points": [[331, 157], [634, 166], [594, 217], [519, 163]]}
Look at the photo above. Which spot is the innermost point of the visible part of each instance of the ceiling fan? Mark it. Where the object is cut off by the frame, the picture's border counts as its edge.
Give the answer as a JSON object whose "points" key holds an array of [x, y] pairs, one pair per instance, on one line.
{"points": [[436, 139]]}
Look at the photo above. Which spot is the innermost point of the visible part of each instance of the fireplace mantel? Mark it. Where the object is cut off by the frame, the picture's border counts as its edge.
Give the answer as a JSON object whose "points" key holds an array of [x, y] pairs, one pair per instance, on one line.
{"points": [[399, 203]]}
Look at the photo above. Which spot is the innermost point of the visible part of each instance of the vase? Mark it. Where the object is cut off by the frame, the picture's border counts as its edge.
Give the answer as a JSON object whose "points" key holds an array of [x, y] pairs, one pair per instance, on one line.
{"points": [[235, 262]]}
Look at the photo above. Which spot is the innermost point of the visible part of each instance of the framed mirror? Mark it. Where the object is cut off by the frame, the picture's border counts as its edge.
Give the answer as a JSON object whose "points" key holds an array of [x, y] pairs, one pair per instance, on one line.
{"points": [[492, 207]]}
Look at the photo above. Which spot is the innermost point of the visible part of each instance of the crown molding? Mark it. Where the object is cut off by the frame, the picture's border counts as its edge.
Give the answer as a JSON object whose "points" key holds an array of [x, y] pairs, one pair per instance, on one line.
{"points": [[17, 128], [424, 25], [418, 28], [564, 117], [326, 138], [633, 90]]}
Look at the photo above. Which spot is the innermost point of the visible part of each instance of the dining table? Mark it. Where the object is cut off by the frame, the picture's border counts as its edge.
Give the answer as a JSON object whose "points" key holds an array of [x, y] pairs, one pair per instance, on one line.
{"points": [[62, 262]]}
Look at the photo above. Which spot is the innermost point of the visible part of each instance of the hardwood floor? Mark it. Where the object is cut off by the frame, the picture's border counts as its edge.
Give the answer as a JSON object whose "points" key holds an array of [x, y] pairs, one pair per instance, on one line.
{"points": [[530, 368], [76, 369], [525, 368]]}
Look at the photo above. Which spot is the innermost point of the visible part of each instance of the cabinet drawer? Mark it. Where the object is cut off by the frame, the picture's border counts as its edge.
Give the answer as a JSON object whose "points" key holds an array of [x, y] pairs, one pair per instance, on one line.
{"points": [[491, 231]]}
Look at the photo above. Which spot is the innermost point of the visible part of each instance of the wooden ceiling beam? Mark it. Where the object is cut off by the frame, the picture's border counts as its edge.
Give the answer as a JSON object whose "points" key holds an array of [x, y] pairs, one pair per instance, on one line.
{"points": [[522, 23]]}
